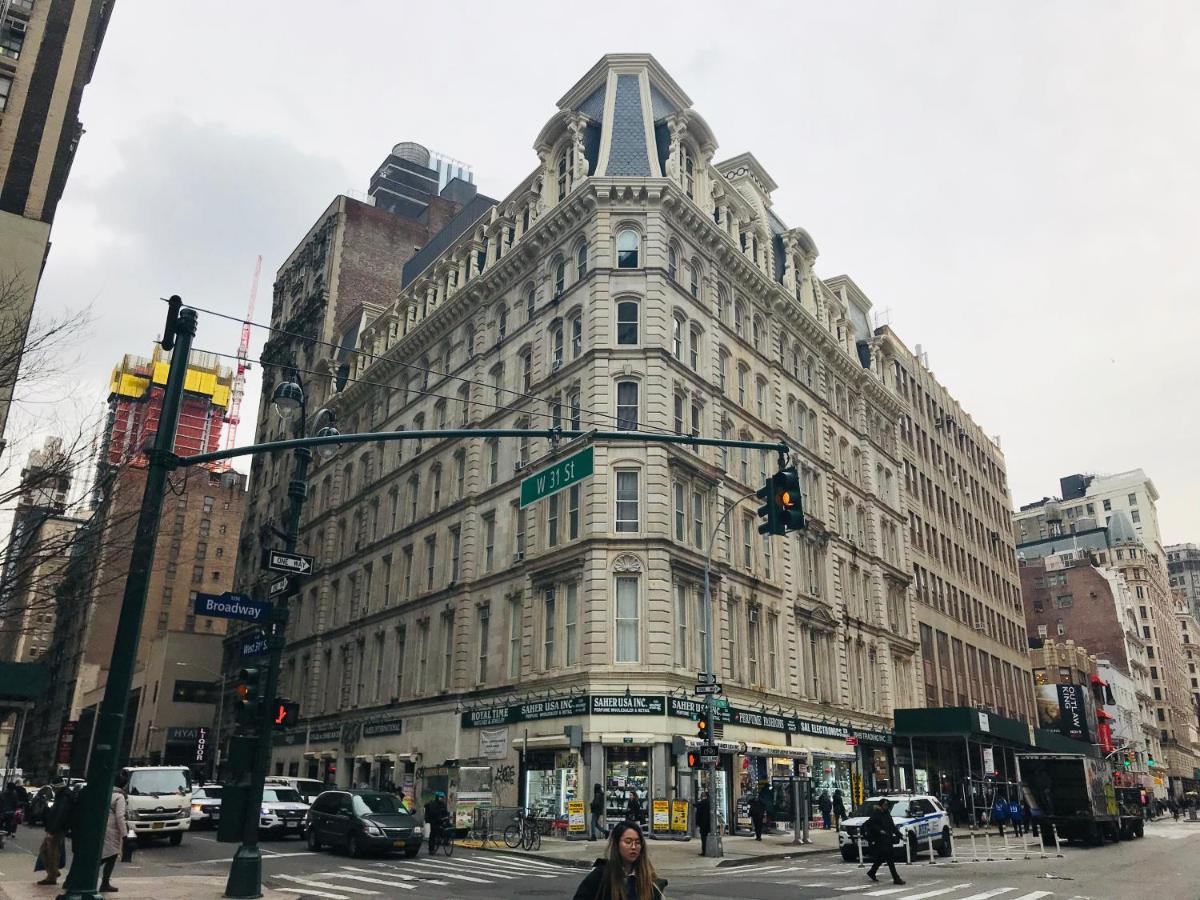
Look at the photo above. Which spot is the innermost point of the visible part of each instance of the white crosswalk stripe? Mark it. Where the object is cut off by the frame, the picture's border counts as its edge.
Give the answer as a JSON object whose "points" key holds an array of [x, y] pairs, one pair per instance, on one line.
{"points": [[321, 885], [404, 885], [939, 892]]}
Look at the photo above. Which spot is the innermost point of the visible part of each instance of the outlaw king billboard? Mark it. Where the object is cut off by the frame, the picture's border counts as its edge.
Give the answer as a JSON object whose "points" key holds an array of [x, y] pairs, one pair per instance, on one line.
{"points": [[1064, 708]]}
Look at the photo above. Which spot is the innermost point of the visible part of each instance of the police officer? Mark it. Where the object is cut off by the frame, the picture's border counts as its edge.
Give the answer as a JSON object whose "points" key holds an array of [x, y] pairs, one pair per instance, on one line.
{"points": [[882, 833]]}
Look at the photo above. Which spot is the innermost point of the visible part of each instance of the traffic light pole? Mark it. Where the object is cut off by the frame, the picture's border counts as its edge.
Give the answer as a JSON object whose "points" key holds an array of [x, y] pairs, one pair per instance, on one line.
{"points": [[714, 847], [88, 834], [245, 872]]}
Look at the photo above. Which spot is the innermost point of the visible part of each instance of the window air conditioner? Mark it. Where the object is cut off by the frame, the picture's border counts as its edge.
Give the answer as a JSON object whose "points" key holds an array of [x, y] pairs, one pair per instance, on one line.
{"points": [[16, 26], [519, 465], [519, 556], [556, 365]]}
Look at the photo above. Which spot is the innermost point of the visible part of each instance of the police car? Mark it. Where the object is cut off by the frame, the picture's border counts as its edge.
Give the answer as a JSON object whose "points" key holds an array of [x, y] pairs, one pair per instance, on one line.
{"points": [[917, 816]]}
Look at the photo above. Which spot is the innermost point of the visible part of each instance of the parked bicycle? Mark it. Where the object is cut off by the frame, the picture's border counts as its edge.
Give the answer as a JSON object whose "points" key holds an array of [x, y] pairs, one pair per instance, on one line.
{"points": [[524, 832], [443, 838]]}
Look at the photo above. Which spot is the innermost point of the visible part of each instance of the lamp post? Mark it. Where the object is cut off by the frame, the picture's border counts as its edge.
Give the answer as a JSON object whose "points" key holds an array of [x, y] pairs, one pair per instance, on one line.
{"points": [[288, 399], [222, 680]]}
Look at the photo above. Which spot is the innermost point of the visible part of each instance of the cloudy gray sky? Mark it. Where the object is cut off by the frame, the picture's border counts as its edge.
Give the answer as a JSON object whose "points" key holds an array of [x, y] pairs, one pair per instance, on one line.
{"points": [[1016, 183]]}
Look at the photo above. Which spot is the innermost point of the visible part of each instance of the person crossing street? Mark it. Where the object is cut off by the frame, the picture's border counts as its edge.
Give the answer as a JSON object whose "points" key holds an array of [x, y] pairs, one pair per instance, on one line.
{"points": [[881, 833], [704, 820]]}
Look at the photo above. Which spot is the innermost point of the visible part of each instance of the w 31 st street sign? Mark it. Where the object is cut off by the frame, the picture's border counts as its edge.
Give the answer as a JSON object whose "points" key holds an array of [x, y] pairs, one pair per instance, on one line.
{"points": [[558, 476]]}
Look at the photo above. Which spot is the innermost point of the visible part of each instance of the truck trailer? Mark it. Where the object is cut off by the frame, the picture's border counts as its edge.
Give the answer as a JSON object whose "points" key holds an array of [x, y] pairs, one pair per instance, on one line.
{"points": [[1076, 795]]}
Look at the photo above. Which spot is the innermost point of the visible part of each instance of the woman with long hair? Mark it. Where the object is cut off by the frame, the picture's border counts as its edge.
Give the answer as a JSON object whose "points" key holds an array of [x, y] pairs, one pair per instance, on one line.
{"points": [[627, 873]]}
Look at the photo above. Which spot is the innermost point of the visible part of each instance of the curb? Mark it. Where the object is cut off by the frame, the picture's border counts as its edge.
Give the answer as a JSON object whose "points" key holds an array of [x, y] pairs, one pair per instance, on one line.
{"points": [[771, 857], [561, 860]]}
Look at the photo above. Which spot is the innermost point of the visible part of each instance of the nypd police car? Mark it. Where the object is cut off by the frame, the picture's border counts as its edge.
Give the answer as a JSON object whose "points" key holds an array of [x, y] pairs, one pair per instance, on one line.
{"points": [[917, 816]]}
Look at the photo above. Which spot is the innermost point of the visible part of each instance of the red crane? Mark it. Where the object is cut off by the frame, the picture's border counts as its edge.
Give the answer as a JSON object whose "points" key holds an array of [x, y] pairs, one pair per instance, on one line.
{"points": [[234, 414]]}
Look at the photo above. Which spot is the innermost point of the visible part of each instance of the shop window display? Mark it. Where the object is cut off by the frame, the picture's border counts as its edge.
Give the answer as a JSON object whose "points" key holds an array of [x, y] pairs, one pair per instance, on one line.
{"points": [[628, 768], [551, 779]]}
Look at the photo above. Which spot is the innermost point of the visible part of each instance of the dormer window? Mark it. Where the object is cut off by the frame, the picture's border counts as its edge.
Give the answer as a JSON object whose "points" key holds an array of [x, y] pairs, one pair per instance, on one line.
{"points": [[689, 173], [566, 171]]}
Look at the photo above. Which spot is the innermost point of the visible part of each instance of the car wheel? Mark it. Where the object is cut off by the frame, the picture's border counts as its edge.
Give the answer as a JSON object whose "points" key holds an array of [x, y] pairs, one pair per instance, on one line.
{"points": [[944, 848], [411, 851], [850, 854], [176, 839], [313, 843], [353, 847]]}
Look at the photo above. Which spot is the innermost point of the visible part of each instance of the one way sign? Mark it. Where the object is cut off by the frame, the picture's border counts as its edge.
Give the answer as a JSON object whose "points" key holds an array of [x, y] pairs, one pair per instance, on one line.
{"points": [[282, 561]]}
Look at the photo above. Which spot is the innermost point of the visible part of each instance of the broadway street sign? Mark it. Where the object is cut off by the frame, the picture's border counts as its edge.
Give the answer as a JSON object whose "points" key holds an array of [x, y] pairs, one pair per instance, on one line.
{"points": [[562, 474], [232, 606]]}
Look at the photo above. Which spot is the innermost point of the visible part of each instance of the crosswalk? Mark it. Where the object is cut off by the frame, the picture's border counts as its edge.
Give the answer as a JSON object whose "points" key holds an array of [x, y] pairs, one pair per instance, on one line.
{"points": [[829, 882], [1172, 831], [349, 880]]}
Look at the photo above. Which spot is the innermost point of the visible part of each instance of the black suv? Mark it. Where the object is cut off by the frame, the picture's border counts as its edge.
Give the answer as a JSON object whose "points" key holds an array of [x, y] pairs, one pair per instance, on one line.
{"points": [[361, 822]]}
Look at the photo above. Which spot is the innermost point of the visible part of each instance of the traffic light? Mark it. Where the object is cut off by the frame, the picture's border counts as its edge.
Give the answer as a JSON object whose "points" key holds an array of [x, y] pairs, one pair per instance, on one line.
{"points": [[284, 713], [693, 759], [249, 698], [783, 508], [703, 731], [1128, 760], [788, 495], [769, 511]]}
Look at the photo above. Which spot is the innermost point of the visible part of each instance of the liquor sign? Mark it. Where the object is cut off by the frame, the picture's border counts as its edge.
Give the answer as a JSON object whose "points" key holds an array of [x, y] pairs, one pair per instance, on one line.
{"points": [[200, 757]]}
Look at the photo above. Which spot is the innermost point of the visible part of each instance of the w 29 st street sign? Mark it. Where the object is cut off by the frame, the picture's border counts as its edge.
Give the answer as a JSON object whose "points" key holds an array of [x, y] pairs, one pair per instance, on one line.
{"points": [[558, 476]]}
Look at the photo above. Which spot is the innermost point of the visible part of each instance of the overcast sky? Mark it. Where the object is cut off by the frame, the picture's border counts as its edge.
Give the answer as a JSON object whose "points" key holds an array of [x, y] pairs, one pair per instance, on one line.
{"points": [[1016, 183]]}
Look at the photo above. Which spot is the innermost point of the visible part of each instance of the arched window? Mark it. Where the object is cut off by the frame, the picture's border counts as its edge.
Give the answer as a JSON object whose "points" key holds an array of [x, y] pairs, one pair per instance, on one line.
{"points": [[530, 300], [677, 326], [560, 276], [439, 414], [566, 170], [694, 279], [502, 323], [739, 318], [694, 348], [581, 262], [689, 171], [556, 343], [419, 425], [672, 262], [722, 368], [627, 322], [627, 405], [628, 243], [727, 435], [526, 371], [743, 376], [576, 326], [756, 330]]}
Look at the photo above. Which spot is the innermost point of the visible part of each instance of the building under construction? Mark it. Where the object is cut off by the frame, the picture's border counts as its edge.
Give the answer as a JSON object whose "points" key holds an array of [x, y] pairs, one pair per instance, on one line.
{"points": [[135, 401]]}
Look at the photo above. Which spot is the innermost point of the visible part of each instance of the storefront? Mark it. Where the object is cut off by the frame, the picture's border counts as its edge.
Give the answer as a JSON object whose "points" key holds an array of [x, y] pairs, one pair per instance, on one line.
{"points": [[962, 755], [551, 780], [626, 770]]}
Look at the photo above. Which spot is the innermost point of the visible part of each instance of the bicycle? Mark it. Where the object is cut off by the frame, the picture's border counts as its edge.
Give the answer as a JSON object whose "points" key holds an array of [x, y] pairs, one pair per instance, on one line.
{"points": [[482, 830], [524, 832], [444, 839]]}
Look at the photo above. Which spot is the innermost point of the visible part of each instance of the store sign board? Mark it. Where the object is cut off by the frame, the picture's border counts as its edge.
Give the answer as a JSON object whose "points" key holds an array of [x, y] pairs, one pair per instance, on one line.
{"points": [[633, 704], [381, 726], [493, 743], [679, 816], [660, 815], [576, 823], [329, 734], [691, 709], [683, 708], [291, 738], [533, 711]]}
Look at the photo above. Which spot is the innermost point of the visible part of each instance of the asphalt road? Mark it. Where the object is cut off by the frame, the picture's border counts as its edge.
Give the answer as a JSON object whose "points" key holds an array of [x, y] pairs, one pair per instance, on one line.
{"points": [[1165, 865]]}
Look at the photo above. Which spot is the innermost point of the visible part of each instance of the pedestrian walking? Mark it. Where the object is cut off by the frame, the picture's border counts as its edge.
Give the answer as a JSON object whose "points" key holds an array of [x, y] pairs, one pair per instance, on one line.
{"points": [[826, 807], [114, 834], [999, 813], [52, 853], [633, 809], [1027, 817], [10, 803], [704, 820], [597, 810], [881, 833], [626, 873], [839, 808], [1014, 816], [758, 813]]}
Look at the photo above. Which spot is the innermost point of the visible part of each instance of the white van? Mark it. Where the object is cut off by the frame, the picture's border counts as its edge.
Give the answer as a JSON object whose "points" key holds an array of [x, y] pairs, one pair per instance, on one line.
{"points": [[159, 801]]}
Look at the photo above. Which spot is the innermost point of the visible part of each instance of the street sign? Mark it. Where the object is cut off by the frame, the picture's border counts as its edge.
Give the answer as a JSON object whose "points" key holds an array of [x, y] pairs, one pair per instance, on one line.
{"points": [[709, 753], [285, 586], [852, 741], [701, 690], [706, 678], [558, 476], [255, 645], [231, 606], [282, 561]]}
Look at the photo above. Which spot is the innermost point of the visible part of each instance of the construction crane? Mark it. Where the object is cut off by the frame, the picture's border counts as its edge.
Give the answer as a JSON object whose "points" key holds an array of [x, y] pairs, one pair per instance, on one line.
{"points": [[234, 414]]}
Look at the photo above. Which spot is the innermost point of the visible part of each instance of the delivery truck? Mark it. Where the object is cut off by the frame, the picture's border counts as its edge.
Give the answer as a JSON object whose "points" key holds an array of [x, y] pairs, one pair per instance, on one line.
{"points": [[1075, 794]]}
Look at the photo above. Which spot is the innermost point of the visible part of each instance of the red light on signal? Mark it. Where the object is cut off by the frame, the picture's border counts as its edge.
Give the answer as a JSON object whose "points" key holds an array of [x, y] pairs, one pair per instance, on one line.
{"points": [[281, 712], [693, 761], [243, 691]]}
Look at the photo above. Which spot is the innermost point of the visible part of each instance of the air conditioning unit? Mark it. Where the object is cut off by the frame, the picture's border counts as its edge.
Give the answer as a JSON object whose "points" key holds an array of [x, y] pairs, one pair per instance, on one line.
{"points": [[519, 465], [556, 365], [519, 556], [16, 26], [753, 614]]}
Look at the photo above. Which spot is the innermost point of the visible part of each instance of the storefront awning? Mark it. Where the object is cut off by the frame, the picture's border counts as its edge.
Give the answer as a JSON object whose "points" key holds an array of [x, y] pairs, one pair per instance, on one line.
{"points": [[962, 722], [777, 750], [543, 741], [362, 757], [833, 754]]}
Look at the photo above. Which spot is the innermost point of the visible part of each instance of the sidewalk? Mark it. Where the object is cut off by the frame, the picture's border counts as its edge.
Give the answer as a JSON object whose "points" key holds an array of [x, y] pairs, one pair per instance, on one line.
{"points": [[177, 887], [679, 855]]}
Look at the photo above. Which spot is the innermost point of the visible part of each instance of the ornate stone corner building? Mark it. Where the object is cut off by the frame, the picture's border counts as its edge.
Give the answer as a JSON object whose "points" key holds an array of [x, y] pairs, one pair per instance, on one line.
{"points": [[455, 640]]}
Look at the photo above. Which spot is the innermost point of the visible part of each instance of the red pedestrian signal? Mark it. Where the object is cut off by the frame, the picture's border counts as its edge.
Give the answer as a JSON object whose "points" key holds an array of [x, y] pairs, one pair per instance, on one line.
{"points": [[284, 714]]}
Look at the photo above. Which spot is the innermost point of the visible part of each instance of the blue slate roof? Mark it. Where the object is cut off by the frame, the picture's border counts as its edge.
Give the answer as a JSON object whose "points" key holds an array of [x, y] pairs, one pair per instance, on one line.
{"points": [[660, 105], [628, 155], [593, 106], [475, 210]]}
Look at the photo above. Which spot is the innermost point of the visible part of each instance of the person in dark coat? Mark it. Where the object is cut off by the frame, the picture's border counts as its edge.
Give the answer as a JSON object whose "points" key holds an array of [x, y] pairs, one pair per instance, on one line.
{"points": [[704, 820], [597, 810], [839, 808], [881, 833], [1027, 817], [826, 807], [758, 814], [1014, 816], [437, 815], [626, 874], [633, 810], [999, 813]]}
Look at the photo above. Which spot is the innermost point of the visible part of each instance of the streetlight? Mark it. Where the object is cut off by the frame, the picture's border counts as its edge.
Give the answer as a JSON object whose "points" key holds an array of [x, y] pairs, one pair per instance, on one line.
{"points": [[216, 768]]}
